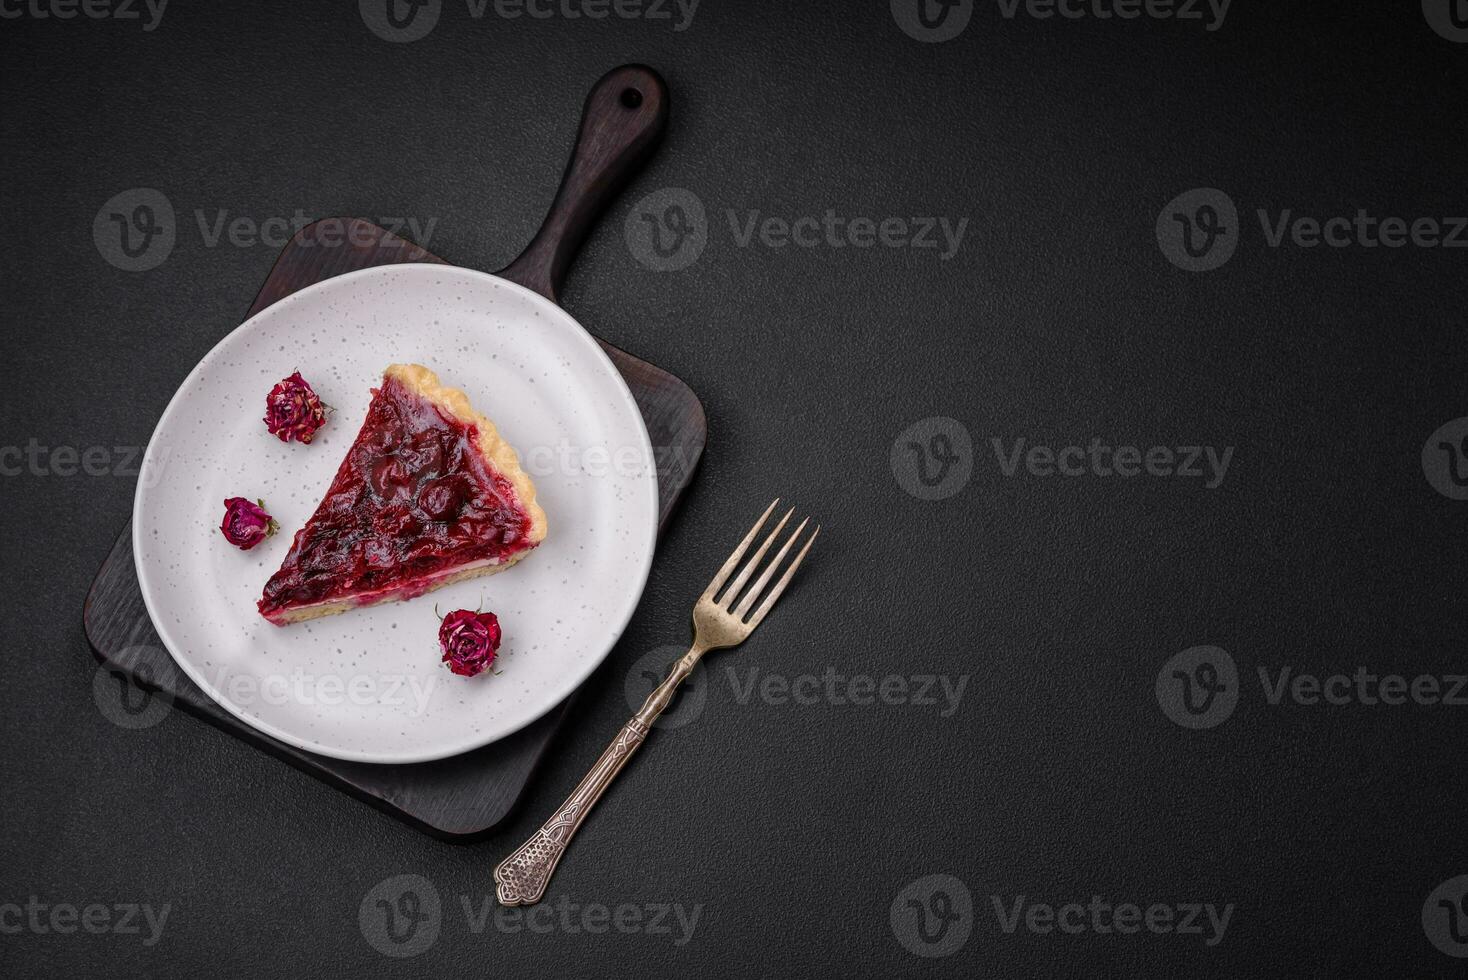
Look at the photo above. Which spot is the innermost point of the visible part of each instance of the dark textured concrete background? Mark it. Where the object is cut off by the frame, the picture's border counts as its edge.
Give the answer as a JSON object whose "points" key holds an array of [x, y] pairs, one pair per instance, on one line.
{"points": [[798, 832]]}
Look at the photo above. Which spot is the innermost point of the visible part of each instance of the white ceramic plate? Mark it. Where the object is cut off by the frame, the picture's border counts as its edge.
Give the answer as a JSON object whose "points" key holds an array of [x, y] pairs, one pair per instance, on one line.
{"points": [[368, 685]]}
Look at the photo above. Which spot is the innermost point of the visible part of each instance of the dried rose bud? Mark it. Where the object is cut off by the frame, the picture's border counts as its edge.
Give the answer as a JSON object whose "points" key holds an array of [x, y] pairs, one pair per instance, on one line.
{"points": [[293, 410], [469, 640], [245, 523]]}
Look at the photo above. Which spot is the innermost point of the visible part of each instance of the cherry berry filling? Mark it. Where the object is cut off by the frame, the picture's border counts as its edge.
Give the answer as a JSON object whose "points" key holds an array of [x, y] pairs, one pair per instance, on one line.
{"points": [[413, 498]]}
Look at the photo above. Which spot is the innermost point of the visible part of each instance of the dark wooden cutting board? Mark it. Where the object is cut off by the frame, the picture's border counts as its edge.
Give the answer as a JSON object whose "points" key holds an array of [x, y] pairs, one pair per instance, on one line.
{"points": [[463, 797]]}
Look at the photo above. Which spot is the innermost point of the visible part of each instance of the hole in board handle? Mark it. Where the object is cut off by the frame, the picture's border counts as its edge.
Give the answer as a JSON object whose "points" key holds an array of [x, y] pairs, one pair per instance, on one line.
{"points": [[631, 98]]}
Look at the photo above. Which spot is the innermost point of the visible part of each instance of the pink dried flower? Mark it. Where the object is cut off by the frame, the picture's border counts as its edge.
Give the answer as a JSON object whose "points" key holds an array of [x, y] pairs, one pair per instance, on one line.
{"points": [[469, 640], [245, 522], [293, 410]]}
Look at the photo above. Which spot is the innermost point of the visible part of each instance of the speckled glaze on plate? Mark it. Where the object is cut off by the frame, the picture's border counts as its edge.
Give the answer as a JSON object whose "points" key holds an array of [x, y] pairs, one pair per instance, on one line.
{"points": [[368, 685]]}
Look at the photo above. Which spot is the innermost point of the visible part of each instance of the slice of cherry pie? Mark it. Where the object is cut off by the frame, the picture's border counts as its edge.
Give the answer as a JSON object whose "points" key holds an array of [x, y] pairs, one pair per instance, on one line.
{"points": [[429, 494]]}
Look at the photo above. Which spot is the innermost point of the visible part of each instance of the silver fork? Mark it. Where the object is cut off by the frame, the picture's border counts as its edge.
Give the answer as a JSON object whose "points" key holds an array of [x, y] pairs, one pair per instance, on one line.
{"points": [[522, 877]]}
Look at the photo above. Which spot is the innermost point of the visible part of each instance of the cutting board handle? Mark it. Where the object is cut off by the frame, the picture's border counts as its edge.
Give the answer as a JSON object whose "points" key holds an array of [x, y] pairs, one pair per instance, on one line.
{"points": [[624, 117]]}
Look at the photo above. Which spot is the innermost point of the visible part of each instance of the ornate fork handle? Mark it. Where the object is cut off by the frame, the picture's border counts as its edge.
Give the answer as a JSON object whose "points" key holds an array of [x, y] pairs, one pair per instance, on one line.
{"points": [[722, 618], [521, 878]]}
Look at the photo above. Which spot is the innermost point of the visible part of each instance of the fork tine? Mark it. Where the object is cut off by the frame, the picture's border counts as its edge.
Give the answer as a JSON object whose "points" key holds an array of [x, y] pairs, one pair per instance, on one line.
{"points": [[723, 573], [753, 563], [764, 579], [764, 607]]}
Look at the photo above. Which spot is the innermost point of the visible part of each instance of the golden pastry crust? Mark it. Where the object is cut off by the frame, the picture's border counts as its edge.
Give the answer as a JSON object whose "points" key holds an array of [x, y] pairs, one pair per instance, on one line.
{"points": [[501, 455]]}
